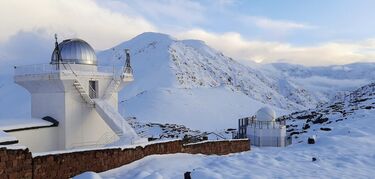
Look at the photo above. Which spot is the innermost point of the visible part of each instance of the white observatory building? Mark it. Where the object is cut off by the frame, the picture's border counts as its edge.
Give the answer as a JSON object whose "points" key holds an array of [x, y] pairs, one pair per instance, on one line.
{"points": [[263, 130], [73, 101]]}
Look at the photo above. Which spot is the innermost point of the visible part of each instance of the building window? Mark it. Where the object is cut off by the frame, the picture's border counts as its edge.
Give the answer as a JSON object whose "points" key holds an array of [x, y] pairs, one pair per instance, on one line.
{"points": [[93, 89]]}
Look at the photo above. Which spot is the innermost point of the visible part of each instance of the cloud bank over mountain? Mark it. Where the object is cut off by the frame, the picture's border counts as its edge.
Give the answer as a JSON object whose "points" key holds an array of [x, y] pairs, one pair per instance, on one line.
{"points": [[224, 25]]}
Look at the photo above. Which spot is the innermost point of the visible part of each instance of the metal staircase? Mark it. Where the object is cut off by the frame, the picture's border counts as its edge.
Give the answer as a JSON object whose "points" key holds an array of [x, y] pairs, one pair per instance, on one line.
{"points": [[82, 92], [112, 88]]}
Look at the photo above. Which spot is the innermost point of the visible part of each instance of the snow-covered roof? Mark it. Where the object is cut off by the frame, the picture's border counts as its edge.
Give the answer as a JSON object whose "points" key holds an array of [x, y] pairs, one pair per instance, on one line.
{"points": [[6, 138], [25, 123], [265, 114]]}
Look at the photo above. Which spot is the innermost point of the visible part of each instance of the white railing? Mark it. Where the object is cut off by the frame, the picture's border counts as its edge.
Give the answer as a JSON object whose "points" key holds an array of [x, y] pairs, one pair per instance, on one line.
{"points": [[35, 69], [51, 68]]}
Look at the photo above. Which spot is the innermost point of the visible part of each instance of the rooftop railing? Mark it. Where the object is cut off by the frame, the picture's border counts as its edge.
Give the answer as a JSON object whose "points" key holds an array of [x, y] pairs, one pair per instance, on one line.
{"points": [[251, 121], [66, 68], [243, 123]]}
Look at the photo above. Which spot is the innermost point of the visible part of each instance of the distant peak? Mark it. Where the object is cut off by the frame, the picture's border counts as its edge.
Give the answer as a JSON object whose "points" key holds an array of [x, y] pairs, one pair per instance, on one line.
{"points": [[146, 38], [154, 35]]}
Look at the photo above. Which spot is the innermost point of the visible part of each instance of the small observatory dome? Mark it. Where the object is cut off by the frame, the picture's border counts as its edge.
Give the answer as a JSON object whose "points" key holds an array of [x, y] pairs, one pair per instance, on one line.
{"points": [[265, 114], [75, 51]]}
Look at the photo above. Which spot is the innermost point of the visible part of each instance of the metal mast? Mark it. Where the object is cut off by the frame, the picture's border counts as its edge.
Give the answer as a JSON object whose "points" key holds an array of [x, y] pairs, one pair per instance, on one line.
{"points": [[57, 53]]}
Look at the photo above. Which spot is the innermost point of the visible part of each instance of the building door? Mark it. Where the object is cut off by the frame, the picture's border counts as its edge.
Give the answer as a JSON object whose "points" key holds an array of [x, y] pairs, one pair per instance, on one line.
{"points": [[93, 89]]}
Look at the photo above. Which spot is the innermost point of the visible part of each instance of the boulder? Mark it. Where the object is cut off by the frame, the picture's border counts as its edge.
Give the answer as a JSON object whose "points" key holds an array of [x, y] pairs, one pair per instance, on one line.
{"points": [[325, 129], [311, 140], [306, 126], [187, 175]]}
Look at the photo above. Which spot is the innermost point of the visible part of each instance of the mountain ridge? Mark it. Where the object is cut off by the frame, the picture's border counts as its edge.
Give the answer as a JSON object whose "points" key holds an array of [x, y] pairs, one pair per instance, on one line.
{"points": [[194, 64]]}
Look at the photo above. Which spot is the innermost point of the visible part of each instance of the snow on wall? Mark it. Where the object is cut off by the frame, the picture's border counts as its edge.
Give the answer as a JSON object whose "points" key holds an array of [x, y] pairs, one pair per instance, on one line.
{"points": [[19, 123], [67, 165]]}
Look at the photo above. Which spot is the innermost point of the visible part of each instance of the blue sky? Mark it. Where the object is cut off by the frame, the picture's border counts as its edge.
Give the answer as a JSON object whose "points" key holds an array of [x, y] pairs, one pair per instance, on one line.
{"points": [[318, 32]]}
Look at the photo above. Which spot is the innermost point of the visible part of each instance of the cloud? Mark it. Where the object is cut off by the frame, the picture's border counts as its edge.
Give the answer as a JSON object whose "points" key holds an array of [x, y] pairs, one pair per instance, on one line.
{"points": [[225, 2], [271, 24], [107, 23], [329, 53], [274, 29], [187, 12], [24, 48], [85, 18]]}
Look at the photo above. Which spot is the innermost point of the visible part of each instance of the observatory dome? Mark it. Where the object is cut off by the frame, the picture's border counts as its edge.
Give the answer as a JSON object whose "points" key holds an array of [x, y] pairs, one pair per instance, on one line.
{"points": [[265, 114], [75, 51]]}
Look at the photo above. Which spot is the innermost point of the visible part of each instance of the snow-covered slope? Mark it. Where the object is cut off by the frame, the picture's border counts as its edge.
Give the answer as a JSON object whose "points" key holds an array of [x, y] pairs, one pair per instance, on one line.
{"points": [[341, 115], [324, 82], [160, 61], [338, 156], [344, 148], [349, 71], [203, 109], [187, 82], [345, 152]]}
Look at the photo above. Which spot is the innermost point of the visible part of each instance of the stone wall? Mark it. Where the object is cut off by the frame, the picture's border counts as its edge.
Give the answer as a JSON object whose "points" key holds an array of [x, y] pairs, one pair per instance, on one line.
{"points": [[20, 164], [70, 164], [15, 163], [217, 147]]}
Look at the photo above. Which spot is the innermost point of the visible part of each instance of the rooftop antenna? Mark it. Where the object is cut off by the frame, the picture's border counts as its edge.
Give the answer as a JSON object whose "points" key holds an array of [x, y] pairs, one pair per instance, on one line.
{"points": [[57, 51]]}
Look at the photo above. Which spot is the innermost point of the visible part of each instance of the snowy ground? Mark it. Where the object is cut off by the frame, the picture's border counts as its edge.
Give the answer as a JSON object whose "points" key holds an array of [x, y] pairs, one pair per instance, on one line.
{"points": [[207, 109], [346, 152]]}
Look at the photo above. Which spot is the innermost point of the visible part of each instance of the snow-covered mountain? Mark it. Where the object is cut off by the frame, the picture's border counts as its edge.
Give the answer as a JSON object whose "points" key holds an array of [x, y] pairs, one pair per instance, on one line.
{"points": [[186, 80], [352, 71], [324, 82], [160, 61], [344, 110]]}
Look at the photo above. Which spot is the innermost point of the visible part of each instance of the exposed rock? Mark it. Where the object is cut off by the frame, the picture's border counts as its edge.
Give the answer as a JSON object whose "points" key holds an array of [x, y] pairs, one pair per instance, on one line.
{"points": [[294, 133], [320, 120], [369, 107], [339, 120], [187, 175], [305, 117], [306, 126], [325, 129], [311, 140]]}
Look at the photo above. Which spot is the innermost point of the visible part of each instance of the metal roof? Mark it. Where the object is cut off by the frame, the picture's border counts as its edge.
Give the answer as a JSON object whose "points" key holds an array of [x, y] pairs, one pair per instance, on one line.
{"points": [[75, 51]]}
